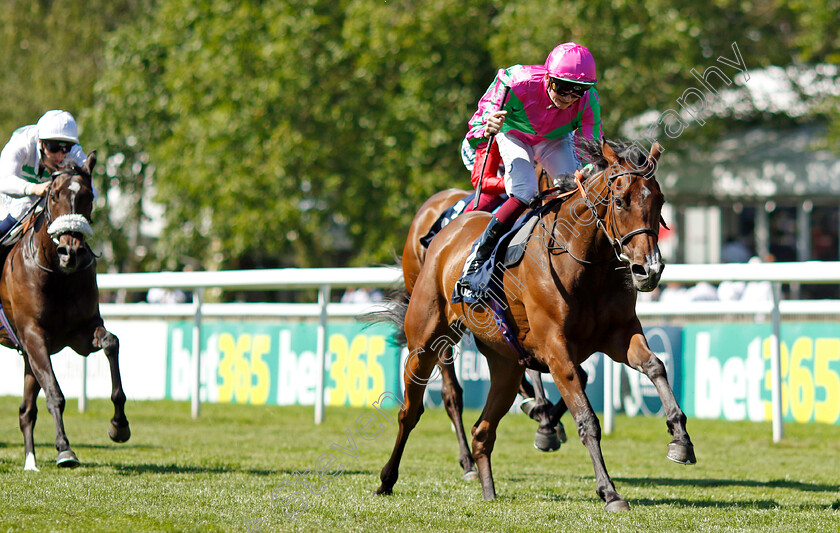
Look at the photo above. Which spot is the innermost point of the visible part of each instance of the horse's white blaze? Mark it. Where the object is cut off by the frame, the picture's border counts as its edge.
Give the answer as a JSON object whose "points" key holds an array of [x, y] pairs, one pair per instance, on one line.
{"points": [[645, 192], [29, 464], [75, 186]]}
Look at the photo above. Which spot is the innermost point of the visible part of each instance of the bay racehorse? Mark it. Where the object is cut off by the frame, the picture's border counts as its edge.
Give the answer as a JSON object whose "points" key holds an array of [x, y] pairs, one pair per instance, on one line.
{"points": [[550, 432], [49, 294], [573, 295]]}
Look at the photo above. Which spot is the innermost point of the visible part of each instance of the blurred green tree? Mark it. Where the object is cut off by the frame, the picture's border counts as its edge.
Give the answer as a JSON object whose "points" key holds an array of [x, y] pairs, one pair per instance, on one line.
{"points": [[51, 54], [302, 132], [307, 132]]}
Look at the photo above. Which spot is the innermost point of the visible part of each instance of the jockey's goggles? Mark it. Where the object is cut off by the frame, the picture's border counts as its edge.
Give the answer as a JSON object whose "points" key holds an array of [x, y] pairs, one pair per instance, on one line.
{"points": [[58, 146], [568, 88]]}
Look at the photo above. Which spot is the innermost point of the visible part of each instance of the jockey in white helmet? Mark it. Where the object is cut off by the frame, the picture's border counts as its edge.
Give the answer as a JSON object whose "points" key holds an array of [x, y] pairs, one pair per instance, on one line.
{"points": [[28, 159]]}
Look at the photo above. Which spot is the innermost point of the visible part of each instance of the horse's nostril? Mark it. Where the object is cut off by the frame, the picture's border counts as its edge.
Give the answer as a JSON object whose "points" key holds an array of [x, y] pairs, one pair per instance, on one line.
{"points": [[639, 270], [65, 252]]}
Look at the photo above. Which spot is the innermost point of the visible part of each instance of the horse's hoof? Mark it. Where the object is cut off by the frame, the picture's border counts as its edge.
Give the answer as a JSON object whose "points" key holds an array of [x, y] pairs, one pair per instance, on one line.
{"points": [[382, 491], [546, 443], [617, 506], [681, 453], [119, 434], [67, 459], [561, 433], [470, 475]]}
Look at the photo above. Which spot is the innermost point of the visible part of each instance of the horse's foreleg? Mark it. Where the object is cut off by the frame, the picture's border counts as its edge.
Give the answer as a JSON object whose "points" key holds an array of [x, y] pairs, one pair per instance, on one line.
{"points": [[418, 367], [505, 377], [640, 357], [119, 430], [453, 400], [570, 382], [28, 415], [42, 369]]}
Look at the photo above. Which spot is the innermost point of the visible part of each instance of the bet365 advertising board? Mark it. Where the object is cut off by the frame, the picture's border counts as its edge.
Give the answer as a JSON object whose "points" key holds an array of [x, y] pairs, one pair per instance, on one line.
{"points": [[716, 370]]}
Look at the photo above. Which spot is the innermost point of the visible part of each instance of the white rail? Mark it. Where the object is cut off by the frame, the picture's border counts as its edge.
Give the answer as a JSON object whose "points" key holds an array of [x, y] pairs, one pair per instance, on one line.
{"points": [[325, 279]]}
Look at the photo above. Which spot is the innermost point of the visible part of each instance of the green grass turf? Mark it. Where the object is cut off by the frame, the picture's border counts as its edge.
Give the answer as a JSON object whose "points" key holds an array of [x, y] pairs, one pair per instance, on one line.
{"points": [[217, 473]]}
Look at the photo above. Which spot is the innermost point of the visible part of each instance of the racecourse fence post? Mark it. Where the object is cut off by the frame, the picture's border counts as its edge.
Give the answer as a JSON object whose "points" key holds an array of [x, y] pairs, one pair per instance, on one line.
{"points": [[609, 413], [195, 406], [83, 392], [321, 353], [776, 364]]}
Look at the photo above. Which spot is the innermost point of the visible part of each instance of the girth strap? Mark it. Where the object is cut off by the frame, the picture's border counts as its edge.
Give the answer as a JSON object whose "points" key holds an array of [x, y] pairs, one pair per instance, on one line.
{"points": [[9, 331]]}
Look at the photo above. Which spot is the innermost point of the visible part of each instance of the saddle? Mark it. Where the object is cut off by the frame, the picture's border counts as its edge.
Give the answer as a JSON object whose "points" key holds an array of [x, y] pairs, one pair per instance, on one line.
{"points": [[17, 231], [508, 253]]}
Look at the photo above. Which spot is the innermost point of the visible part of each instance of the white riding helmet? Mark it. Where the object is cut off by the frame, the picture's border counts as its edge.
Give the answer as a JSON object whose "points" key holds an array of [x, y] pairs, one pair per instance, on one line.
{"points": [[57, 125]]}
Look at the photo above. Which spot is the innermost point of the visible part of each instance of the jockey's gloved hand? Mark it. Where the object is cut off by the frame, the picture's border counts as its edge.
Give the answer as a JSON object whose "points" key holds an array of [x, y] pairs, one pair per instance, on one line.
{"points": [[38, 189]]}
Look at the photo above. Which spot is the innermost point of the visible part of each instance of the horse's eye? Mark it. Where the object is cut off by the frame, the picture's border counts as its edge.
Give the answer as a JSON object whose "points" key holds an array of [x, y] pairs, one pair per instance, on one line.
{"points": [[619, 202]]}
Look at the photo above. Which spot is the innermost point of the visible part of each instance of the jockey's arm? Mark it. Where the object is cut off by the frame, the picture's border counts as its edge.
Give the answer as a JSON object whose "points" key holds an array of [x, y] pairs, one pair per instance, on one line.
{"points": [[10, 183]]}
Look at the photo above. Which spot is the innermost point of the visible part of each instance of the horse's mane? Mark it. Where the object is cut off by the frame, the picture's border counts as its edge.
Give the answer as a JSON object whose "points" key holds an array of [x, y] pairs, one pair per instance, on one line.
{"points": [[630, 152], [590, 152], [72, 167]]}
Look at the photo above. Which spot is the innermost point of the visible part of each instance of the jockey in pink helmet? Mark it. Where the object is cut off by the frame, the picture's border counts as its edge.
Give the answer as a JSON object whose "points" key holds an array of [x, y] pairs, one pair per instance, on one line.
{"points": [[548, 107]]}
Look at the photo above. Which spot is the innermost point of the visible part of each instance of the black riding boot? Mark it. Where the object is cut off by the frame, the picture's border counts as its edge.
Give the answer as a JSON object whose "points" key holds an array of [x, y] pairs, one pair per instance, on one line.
{"points": [[485, 247]]}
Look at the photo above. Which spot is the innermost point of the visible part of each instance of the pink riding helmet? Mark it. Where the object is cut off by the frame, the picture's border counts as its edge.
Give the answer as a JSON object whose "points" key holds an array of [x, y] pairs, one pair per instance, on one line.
{"points": [[571, 62]]}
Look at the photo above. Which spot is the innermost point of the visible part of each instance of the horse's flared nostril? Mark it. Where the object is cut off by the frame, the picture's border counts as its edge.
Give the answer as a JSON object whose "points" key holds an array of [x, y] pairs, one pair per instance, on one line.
{"points": [[67, 257], [640, 271]]}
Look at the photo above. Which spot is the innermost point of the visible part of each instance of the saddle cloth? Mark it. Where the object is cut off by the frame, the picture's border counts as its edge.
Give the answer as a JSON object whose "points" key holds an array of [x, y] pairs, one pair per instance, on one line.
{"points": [[473, 288], [508, 253]]}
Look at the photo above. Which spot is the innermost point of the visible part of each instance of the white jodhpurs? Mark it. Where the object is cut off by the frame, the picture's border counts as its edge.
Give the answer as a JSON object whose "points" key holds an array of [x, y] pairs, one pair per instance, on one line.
{"points": [[556, 156]]}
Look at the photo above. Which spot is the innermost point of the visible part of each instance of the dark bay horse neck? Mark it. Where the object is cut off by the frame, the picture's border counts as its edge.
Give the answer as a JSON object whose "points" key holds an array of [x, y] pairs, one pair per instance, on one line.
{"points": [[49, 294]]}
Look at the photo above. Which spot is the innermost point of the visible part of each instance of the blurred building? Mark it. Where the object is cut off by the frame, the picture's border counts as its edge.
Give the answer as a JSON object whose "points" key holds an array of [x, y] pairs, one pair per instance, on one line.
{"points": [[758, 193], [760, 190]]}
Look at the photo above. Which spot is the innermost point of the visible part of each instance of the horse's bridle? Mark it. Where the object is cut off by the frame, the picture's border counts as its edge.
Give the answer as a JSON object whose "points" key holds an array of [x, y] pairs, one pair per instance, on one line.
{"points": [[70, 221], [618, 241], [608, 226]]}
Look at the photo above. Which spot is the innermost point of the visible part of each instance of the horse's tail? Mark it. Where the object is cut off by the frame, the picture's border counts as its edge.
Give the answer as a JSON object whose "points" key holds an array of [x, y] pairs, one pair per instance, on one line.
{"points": [[392, 311]]}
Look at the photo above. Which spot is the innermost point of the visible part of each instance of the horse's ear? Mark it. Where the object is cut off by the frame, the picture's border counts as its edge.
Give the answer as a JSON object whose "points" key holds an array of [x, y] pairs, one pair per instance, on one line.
{"points": [[90, 162], [608, 153], [655, 152]]}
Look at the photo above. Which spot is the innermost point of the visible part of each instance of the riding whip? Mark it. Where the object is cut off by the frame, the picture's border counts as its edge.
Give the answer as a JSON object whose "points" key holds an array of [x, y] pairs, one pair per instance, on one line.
{"points": [[487, 153]]}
